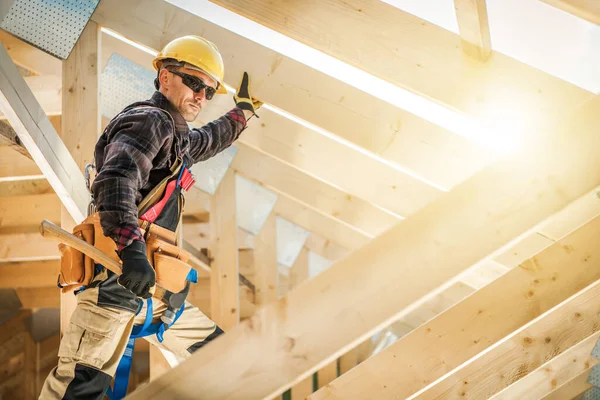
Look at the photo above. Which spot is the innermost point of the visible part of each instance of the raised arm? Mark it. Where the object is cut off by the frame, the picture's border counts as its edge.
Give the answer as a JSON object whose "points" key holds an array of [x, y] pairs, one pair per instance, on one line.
{"points": [[218, 135]]}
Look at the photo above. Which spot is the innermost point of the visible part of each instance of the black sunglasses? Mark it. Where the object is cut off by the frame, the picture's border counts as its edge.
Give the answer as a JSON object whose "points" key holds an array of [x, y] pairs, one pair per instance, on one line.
{"points": [[196, 84]]}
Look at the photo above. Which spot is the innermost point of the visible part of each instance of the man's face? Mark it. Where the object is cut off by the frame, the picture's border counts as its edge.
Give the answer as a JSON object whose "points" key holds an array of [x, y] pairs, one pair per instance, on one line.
{"points": [[187, 102]]}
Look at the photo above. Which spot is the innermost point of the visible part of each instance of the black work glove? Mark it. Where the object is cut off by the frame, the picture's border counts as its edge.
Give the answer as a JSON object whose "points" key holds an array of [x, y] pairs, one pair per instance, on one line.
{"points": [[243, 99], [138, 275]]}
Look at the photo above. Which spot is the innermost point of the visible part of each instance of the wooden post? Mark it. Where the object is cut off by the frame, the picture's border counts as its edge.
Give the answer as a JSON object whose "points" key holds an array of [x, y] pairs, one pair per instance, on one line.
{"points": [[224, 283], [265, 262], [474, 28], [80, 120], [31, 368], [298, 274]]}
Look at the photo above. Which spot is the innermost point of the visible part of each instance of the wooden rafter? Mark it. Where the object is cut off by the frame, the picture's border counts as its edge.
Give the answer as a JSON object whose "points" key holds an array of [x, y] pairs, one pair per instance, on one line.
{"points": [[41, 140], [481, 320], [408, 52], [586, 9]]}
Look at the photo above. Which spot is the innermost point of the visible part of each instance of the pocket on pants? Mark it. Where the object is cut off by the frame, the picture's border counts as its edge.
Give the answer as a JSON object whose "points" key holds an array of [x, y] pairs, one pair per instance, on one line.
{"points": [[89, 339]]}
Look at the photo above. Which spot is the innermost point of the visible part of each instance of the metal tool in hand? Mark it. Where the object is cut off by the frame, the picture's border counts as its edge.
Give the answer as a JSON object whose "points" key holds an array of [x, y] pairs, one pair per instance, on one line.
{"points": [[174, 301]]}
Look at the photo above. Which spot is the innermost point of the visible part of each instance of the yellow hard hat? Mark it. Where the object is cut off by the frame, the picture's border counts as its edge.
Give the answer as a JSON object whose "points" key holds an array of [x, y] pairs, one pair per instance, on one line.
{"points": [[196, 53]]}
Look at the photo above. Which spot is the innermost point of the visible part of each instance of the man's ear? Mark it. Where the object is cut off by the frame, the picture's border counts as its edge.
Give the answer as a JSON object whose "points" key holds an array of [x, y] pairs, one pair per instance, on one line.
{"points": [[163, 77]]}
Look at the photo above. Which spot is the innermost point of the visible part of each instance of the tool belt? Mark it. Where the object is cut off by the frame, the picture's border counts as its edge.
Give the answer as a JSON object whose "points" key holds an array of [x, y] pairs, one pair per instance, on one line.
{"points": [[169, 261]]}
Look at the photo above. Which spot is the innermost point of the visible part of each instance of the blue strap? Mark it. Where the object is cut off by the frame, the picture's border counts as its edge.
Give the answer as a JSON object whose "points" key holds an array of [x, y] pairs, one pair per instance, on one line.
{"points": [[119, 390], [146, 329]]}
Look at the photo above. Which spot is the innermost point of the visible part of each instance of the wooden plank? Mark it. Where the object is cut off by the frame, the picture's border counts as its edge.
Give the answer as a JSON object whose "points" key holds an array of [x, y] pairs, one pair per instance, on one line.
{"points": [[325, 248], [282, 178], [47, 90], [265, 262], [26, 246], [29, 274], [484, 318], [484, 274], [198, 236], [572, 217], [554, 373], [80, 86], [80, 127], [571, 389], [525, 350], [25, 187], [320, 224], [39, 297], [298, 274], [528, 247], [9, 138], [29, 210], [29, 57], [423, 59], [30, 368], [225, 301], [474, 28], [327, 374], [39, 137], [405, 266], [397, 135], [13, 164], [348, 361], [586, 9]]}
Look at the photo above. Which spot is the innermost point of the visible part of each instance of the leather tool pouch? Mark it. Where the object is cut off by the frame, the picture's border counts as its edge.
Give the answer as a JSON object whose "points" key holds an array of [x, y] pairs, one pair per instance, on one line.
{"points": [[76, 269], [170, 263]]}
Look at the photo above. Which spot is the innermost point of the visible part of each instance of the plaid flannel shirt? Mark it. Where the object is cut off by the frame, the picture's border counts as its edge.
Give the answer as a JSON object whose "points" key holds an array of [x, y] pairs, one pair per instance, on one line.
{"points": [[136, 151]]}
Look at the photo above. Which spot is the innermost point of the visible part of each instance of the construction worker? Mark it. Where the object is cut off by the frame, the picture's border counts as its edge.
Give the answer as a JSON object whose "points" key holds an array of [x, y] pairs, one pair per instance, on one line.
{"points": [[135, 154]]}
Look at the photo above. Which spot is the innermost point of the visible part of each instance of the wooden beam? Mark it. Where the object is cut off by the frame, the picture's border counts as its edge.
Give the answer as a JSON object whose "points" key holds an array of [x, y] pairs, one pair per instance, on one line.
{"points": [[320, 224], [26, 245], [299, 274], [39, 137], [47, 90], [29, 274], [585, 9], [40, 297], [554, 373], [265, 262], [18, 211], [282, 178], [29, 57], [398, 136], [406, 265], [423, 59], [80, 126], [225, 301], [80, 83], [474, 28], [25, 187], [525, 350], [571, 389], [325, 248], [478, 322], [14, 164], [9, 138], [30, 368]]}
